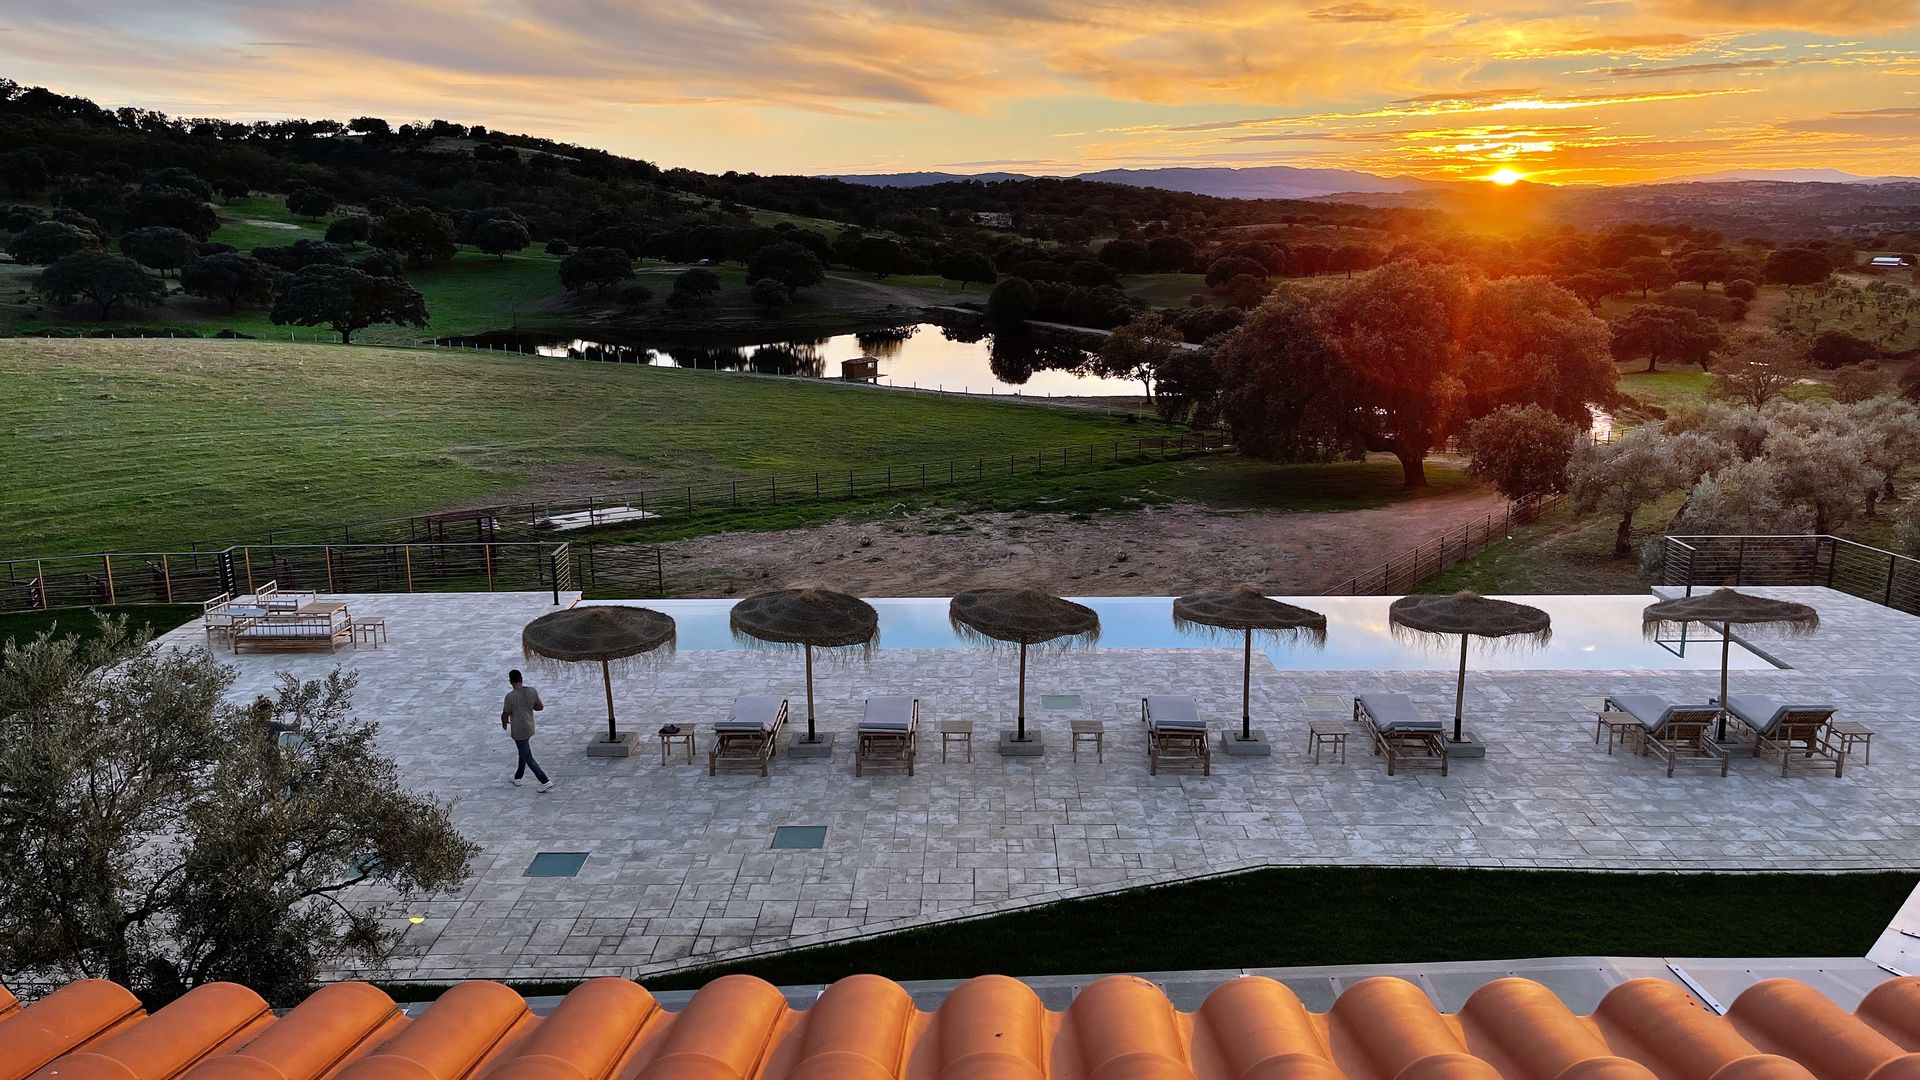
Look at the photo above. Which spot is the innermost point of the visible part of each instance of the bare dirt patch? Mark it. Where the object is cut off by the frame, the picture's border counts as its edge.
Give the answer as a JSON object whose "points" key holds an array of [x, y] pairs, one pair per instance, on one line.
{"points": [[1152, 552]]}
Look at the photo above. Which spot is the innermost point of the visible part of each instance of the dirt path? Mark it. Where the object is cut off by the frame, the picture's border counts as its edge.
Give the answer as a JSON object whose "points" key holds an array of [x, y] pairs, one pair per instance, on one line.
{"points": [[1149, 553]]}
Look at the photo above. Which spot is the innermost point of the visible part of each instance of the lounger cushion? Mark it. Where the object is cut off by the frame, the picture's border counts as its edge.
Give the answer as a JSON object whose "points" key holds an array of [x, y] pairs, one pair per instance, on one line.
{"points": [[888, 714], [1652, 710], [752, 712], [1397, 712], [1173, 712], [1763, 712]]}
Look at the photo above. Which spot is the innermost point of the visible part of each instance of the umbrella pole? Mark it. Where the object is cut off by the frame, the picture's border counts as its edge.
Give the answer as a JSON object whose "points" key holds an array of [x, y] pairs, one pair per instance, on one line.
{"points": [[1726, 646], [1460, 688], [606, 679], [1246, 691], [1020, 734], [810, 735]]}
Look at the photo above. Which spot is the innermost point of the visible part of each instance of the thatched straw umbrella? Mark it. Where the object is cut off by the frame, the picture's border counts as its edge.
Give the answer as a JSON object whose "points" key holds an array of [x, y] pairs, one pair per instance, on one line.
{"points": [[1246, 609], [607, 633], [806, 618], [1028, 618], [1469, 615], [1729, 609]]}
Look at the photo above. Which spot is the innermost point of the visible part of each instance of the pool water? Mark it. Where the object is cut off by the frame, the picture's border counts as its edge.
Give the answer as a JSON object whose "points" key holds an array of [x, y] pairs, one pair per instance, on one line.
{"points": [[1590, 633]]}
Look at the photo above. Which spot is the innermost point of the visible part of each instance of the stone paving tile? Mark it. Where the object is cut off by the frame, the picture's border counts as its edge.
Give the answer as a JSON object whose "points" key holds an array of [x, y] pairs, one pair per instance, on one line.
{"points": [[681, 870]]}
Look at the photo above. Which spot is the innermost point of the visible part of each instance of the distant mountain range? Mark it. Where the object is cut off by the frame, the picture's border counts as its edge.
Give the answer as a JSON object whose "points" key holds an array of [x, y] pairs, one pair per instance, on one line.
{"points": [[1288, 182], [1787, 176], [1257, 182]]}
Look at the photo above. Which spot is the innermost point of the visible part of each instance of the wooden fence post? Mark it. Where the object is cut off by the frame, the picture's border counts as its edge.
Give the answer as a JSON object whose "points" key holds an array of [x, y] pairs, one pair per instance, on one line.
{"points": [[107, 562], [166, 577], [246, 553], [406, 553], [326, 555], [486, 553]]}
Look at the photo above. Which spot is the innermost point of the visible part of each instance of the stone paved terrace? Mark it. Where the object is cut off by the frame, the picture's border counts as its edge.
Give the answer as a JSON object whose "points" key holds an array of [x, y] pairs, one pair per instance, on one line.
{"points": [[680, 868]]}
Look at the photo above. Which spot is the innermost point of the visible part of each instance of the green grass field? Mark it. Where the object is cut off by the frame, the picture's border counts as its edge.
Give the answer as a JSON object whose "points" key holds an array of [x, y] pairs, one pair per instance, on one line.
{"points": [[1357, 915], [141, 445], [156, 619]]}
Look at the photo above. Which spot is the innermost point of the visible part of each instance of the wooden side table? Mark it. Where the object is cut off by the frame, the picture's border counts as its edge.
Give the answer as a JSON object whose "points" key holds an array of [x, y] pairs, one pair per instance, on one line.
{"points": [[683, 737], [370, 631], [1090, 731], [1328, 736], [1621, 728], [1847, 733], [960, 731]]}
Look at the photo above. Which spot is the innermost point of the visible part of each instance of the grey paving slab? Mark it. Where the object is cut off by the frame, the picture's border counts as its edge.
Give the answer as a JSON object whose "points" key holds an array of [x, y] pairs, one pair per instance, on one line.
{"points": [[681, 867]]}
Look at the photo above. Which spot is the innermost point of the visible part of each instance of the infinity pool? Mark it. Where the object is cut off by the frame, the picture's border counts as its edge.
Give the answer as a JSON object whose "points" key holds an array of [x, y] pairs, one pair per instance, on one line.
{"points": [[1590, 633]]}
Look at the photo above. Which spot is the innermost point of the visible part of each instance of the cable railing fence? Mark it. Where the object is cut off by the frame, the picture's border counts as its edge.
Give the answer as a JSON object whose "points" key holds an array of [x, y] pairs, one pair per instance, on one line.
{"points": [[1711, 562], [1402, 573], [194, 577]]}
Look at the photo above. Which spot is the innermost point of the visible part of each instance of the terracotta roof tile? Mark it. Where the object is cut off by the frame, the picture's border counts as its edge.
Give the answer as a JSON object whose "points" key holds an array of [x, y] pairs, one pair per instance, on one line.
{"points": [[991, 1028]]}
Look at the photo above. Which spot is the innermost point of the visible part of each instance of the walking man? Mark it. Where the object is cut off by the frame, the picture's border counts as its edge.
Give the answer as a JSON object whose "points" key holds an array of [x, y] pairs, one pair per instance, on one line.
{"points": [[516, 717]]}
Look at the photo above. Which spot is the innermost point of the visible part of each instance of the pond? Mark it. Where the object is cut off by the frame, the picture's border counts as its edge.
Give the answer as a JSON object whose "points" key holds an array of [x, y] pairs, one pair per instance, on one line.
{"points": [[924, 356]]}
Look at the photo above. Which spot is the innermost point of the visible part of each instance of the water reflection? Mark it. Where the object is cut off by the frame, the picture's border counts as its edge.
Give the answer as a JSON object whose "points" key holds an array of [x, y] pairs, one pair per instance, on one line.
{"points": [[919, 355]]}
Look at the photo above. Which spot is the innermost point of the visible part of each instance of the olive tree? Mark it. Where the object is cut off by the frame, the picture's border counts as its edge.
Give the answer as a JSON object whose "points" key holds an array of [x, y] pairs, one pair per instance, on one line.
{"points": [[1622, 476], [160, 248], [1522, 451], [176, 839]]}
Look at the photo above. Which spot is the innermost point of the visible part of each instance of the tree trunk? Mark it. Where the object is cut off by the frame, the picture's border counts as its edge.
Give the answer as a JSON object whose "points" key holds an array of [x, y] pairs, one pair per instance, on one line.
{"points": [[1653, 362], [1623, 534], [1413, 468]]}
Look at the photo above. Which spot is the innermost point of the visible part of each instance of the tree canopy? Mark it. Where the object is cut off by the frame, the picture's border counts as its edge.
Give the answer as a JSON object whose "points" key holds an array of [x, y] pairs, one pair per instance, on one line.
{"points": [[159, 248], [788, 263], [346, 300], [107, 280], [176, 839], [44, 242], [419, 234], [594, 268], [1413, 352], [232, 277]]}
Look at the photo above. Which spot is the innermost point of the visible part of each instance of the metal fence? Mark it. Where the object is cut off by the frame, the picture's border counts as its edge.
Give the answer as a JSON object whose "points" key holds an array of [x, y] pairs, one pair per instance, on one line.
{"points": [[196, 576], [1885, 577], [528, 521], [1402, 573]]}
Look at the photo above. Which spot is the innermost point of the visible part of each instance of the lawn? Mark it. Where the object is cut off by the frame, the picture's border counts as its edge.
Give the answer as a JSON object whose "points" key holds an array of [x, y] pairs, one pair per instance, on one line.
{"points": [[1167, 290], [1358, 915], [1560, 554], [149, 445], [157, 619]]}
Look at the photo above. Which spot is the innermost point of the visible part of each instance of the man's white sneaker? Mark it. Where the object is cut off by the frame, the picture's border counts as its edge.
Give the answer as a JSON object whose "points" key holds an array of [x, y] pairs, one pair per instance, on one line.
{"points": [[515, 781], [546, 787]]}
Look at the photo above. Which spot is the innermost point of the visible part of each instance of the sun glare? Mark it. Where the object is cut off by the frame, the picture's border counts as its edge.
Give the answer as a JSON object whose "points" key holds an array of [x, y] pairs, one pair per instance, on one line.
{"points": [[1505, 177]]}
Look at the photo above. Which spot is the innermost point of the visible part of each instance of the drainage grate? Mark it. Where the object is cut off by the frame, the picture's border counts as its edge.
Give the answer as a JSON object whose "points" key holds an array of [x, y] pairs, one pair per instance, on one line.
{"points": [[556, 864], [800, 836], [1059, 701]]}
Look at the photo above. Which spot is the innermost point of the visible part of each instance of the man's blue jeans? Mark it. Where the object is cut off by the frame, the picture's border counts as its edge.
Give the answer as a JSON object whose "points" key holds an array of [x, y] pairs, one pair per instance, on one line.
{"points": [[525, 748]]}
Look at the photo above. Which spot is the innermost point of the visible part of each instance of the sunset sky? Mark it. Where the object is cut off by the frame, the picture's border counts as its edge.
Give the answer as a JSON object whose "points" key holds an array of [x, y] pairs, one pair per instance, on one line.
{"points": [[1600, 91]]}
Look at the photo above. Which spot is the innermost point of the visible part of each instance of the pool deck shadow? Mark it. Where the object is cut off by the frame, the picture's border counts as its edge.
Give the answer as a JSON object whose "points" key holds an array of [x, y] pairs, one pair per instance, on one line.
{"points": [[681, 867]]}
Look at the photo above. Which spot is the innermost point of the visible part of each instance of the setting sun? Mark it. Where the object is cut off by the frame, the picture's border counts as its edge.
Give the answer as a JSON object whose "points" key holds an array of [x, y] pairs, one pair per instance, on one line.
{"points": [[1505, 177]]}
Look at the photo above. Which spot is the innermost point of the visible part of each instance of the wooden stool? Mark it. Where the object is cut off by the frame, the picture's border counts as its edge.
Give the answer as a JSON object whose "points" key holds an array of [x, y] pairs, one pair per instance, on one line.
{"points": [[1847, 733], [684, 737], [371, 631], [1331, 736], [960, 731], [1092, 731]]}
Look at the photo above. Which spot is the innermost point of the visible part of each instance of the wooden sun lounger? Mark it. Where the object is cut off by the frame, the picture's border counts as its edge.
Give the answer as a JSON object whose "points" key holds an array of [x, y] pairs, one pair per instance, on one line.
{"points": [[1175, 733], [1800, 734], [288, 631], [889, 731], [750, 734], [1676, 733], [1400, 733]]}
